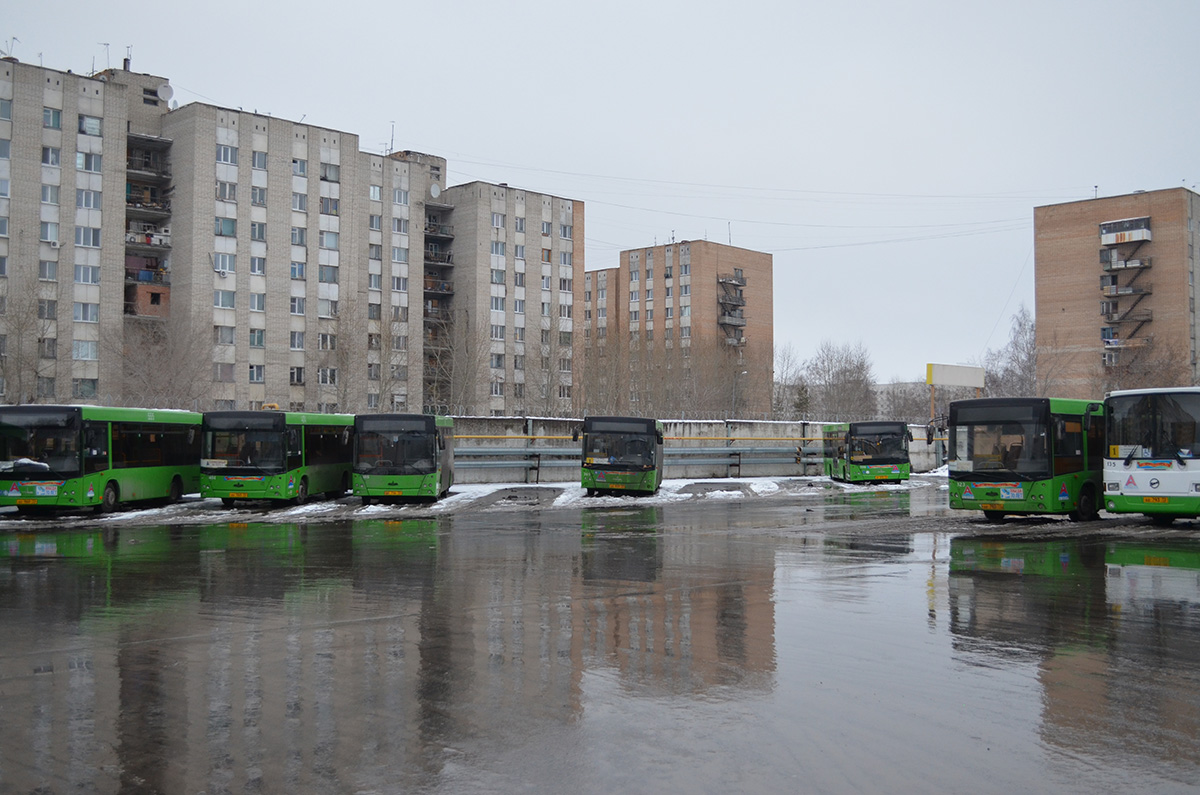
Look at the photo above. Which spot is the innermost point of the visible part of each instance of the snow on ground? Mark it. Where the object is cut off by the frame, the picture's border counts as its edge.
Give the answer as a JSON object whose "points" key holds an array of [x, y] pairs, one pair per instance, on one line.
{"points": [[466, 497]]}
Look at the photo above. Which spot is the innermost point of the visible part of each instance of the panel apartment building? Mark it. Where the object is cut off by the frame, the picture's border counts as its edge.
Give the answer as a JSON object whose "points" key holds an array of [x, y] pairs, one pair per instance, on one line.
{"points": [[1115, 282], [682, 328], [215, 258]]}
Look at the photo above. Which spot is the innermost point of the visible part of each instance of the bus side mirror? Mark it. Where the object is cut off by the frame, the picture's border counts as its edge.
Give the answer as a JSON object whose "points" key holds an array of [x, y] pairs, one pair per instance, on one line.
{"points": [[908, 435], [575, 435], [659, 437], [346, 435]]}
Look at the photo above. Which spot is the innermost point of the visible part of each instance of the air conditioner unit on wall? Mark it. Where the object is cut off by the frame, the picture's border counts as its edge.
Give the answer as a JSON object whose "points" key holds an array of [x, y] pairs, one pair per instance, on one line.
{"points": [[53, 244]]}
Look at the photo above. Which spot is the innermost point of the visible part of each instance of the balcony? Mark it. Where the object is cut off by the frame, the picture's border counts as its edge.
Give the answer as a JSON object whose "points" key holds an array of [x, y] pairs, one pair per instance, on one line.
{"points": [[1132, 316], [736, 341], [731, 278], [147, 165], [1127, 230], [731, 320], [445, 231], [147, 276], [1135, 342], [438, 257], [148, 241], [1129, 289], [1126, 264], [439, 286], [731, 299]]}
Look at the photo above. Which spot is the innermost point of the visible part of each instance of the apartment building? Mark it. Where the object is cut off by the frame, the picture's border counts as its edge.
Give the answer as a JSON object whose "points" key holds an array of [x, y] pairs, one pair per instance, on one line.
{"points": [[515, 319], [681, 327], [1115, 292], [218, 258]]}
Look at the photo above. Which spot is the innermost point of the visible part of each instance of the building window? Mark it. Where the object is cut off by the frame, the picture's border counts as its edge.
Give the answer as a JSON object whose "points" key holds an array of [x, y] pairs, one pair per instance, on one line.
{"points": [[299, 167], [545, 309], [329, 206], [52, 118], [84, 387], [374, 311], [84, 199], [545, 255], [51, 156], [376, 193], [87, 274], [497, 220], [519, 223], [90, 125], [227, 154], [327, 375], [519, 279], [564, 310], [5, 110], [296, 341], [50, 195], [375, 252], [400, 284], [565, 285], [519, 251], [400, 342], [327, 342], [330, 173], [498, 303], [257, 373], [564, 391], [48, 347], [399, 196], [545, 282], [498, 248], [497, 361], [374, 371], [375, 222], [224, 263], [296, 376], [258, 160], [45, 387], [87, 236], [258, 230], [258, 266], [258, 338], [685, 268], [547, 228], [497, 332], [400, 226], [48, 270], [374, 342], [399, 254], [564, 231], [685, 289], [87, 313], [223, 335], [299, 236], [497, 276], [519, 333], [329, 275], [225, 227], [258, 302], [227, 191], [296, 306], [326, 307], [327, 240], [223, 299], [300, 202], [497, 389]]}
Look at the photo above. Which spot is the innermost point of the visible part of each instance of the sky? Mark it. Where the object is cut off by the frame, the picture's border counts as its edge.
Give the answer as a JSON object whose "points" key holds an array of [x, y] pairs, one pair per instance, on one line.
{"points": [[888, 155]]}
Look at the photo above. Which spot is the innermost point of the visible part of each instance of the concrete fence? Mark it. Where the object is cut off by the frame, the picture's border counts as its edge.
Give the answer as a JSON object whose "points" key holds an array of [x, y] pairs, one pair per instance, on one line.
{"points": [[533, 450]]}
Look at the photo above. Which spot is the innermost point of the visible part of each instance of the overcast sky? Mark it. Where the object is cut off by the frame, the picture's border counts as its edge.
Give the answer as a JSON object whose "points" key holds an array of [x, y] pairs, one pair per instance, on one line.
{"points": [[889, 155]]}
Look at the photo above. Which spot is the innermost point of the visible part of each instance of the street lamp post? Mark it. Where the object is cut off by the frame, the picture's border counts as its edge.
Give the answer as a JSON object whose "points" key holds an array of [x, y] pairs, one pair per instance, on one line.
{"points": [[733, 408]]}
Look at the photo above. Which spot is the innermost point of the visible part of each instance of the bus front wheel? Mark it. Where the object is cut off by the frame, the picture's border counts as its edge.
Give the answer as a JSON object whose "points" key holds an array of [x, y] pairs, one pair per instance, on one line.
{"points": [[1086, 511], [994, 516], [302, 491], [176, 492], [109, 499]]}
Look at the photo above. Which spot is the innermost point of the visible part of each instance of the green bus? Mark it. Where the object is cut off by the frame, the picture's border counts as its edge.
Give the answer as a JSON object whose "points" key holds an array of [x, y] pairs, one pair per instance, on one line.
{"points": [[275, 455], [621, 454], [400, 456], [867, 452], [1152, 464], [71, 457], [1026, 456]]}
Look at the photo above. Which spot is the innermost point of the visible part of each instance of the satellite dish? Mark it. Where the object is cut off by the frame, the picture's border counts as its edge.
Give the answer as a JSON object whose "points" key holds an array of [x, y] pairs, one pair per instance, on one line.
{"points": [[435, 190], [165, 91]]}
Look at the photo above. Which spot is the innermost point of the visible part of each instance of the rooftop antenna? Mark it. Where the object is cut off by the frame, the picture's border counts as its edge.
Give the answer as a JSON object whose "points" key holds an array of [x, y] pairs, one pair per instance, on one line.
{"points": [[392, 144], [107, 62], [1095, 191], [730, 229], [8, 50], [302, 118]]}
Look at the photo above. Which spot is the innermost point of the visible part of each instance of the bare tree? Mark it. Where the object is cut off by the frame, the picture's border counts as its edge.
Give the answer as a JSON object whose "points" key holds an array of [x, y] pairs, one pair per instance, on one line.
{"points": [[840, 381], [163, 364], [907, 401], [1012, 370], [28, 344], [1157, 363]]}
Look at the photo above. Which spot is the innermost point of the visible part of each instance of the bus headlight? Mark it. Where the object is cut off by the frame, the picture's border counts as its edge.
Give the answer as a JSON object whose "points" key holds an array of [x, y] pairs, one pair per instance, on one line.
{"points": [[1117, 486]]}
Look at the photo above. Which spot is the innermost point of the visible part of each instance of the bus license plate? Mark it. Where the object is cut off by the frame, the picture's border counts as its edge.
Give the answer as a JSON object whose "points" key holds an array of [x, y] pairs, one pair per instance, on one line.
{"points": [[393, 494], [991, 506], [238, 494], [26, 502], [1155, 500]]}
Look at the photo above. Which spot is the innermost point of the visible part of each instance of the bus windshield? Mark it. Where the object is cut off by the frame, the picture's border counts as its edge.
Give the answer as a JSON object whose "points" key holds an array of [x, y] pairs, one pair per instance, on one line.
{"points": [[1154, 426], [39, 443], [398, 450], [999, 442], [256, 449], [878, 445], [619, 449]]}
